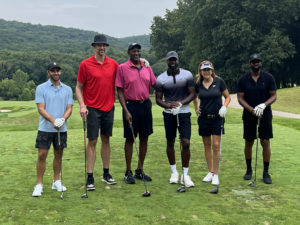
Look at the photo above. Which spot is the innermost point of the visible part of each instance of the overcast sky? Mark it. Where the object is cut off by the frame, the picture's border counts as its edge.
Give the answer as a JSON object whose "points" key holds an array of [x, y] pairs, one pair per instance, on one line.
{"points": [[117, 18]]}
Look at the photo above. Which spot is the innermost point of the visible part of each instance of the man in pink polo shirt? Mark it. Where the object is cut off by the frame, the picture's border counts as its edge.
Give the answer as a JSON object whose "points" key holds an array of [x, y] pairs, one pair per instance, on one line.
{"points": [[133, 82], [95, 91]]}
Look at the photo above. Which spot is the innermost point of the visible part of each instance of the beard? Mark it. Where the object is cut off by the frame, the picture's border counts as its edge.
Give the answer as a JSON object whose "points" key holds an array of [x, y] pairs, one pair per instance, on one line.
{"points": [[255, 69]]}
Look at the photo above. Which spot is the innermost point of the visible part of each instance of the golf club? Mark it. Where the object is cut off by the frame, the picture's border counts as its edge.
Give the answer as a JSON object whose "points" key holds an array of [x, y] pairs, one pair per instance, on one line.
{"points": [[216, 190], [252, 184], [181, 188], [85, 195], [61, 171], [146, 193]]}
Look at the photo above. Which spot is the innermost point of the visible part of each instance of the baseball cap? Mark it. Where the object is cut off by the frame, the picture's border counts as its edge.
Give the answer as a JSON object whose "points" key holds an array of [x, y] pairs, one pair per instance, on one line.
{"points": [[206, 65], [172, 54], [134, 45], [255, 56], [53, 65]]}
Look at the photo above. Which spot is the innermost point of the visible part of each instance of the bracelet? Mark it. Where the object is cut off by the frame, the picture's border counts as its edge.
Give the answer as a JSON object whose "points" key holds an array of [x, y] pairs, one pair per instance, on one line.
{"points": [[126, 110], [82, 106]]}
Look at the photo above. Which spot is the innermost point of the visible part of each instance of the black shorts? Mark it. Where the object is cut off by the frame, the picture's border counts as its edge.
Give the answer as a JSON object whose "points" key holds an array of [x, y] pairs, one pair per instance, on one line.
{"points": [[141, 113], [97, 119], [210, 126], [45, 139], [265, 130], [171, 125]]}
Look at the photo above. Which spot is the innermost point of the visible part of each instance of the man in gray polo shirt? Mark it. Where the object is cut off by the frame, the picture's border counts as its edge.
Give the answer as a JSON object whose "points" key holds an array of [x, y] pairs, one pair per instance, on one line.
{"points": [[54, 103], [178, 88]]}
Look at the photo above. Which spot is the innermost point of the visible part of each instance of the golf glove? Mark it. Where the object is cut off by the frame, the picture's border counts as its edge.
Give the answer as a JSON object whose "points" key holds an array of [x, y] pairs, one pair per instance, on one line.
{"points": [[259, 109], [222, 111], [145, 61], [175, 111], [59, 122]]}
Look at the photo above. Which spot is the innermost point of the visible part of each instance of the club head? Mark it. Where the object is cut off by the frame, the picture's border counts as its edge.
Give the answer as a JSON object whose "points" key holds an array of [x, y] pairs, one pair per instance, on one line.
{"points": [[146, 194], [252, 184], [214, 191], [181, 189], [61, 197], [84, 195]]}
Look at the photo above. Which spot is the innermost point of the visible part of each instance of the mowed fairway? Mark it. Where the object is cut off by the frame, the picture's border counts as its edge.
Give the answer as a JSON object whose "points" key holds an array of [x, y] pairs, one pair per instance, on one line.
{"points": [[236, 202]]}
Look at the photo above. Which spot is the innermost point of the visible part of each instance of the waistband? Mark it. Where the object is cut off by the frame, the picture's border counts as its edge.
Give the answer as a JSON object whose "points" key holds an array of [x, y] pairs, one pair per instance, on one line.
{"points": [[137, 101], [210, 116]]}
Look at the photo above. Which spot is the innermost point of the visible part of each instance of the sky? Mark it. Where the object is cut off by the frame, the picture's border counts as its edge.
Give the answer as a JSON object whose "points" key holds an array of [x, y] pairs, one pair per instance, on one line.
{"points": [[116, 18]]}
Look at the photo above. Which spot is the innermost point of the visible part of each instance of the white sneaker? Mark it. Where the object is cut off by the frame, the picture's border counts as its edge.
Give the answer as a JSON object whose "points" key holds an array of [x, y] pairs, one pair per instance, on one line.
{"points": [[57, 186], [208, 177], [215, 180], [174, 178], [38, 190], [187, 181]]}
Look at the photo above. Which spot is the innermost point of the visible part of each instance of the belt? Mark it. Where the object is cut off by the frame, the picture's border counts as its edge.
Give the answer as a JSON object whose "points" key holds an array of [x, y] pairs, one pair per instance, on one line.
{"points": [[210, 116], [136, 101]]}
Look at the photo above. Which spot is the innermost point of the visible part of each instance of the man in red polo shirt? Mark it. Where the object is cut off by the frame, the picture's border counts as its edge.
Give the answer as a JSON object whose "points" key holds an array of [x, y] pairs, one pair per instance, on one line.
{"points": [[95, 92], [133, 83]]}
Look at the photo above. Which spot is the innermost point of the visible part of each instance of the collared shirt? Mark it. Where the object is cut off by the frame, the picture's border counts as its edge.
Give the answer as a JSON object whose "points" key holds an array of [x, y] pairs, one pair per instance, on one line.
{"points": [[136, 82], [98, 82], [175, 88], [258, 92], [55, 100], [211, 98]]}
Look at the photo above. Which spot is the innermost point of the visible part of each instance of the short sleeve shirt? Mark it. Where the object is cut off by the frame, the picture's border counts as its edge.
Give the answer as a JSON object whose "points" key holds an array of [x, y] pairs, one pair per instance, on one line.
{"points": [[136, 82], [98, 82], [211, 98], [256, 93], [175, 88], [56, 101]]}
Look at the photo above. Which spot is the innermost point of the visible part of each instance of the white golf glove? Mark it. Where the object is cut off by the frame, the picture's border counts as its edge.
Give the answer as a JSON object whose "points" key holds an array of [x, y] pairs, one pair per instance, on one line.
{"points": [[145, 61], [222, 111], [59, 122], [175, 111], [259, 109]]}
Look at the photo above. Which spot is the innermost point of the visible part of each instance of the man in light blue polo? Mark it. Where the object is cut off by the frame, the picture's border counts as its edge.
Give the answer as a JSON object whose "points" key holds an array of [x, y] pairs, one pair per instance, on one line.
{"points": [[54, 103]]}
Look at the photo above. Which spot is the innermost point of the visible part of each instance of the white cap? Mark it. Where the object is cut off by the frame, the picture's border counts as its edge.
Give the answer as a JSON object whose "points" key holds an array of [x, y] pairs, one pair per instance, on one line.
{"points": [[206, 65]]}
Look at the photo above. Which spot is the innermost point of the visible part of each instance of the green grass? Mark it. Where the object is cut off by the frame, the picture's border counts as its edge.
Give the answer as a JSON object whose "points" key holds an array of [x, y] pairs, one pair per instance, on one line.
{"points": [[288, 100], [236, 203]]}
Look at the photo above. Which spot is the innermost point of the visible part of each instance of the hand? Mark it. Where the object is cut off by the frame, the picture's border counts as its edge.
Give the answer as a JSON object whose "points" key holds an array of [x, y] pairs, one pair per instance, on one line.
{"points": [[128, 117], [222, 111], [259, 109], [59, 122], [145, 61], [198, 112], [175, 110], [83, 112]]}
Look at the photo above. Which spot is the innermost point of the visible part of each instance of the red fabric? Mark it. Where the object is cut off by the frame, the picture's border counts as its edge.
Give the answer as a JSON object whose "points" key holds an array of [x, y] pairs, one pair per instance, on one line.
{"points": [[98, 82], [136, 83]]}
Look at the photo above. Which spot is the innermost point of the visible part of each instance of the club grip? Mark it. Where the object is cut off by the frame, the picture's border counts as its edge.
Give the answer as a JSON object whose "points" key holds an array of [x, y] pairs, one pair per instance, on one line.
{"points": [[84, 125]]}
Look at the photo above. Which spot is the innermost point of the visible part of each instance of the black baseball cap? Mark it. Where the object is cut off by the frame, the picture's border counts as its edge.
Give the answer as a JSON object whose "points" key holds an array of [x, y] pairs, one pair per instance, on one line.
{"points": [[255, 56], [172, 54], [134, 45], [53, 65]]}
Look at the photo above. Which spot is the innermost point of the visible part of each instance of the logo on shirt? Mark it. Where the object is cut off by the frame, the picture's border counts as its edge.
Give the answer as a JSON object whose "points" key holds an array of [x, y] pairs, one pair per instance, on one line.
{"points": [[214, 86]]}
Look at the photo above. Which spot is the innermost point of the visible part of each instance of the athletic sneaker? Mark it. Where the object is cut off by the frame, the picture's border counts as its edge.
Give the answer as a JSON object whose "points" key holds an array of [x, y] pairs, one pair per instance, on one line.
{"points": [[248, 175], [208, 177], [267, 178], [129, 178], [58, 186], [38, 190], [139, 174], [187, 181], [90, 184], [215, 180], [107, 178], [174, 178]]}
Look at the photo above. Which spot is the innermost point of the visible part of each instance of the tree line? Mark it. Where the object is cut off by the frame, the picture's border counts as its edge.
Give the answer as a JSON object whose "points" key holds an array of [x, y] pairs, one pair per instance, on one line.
{"points": [[227, 32]]}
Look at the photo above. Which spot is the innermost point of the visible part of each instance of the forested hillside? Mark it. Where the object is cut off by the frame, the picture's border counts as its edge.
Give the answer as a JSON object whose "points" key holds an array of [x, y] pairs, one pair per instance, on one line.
{"points": [[26, 50]]}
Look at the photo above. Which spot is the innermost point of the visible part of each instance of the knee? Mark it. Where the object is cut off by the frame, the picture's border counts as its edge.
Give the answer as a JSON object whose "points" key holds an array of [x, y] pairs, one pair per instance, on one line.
{"points": [[265, 143], [170, 144], [42, 156], [185, 143], [92, 142]]}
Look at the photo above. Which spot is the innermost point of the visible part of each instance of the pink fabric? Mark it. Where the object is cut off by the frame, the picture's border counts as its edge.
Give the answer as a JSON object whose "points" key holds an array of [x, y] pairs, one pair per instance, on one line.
{"points": [[136, 83]]}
